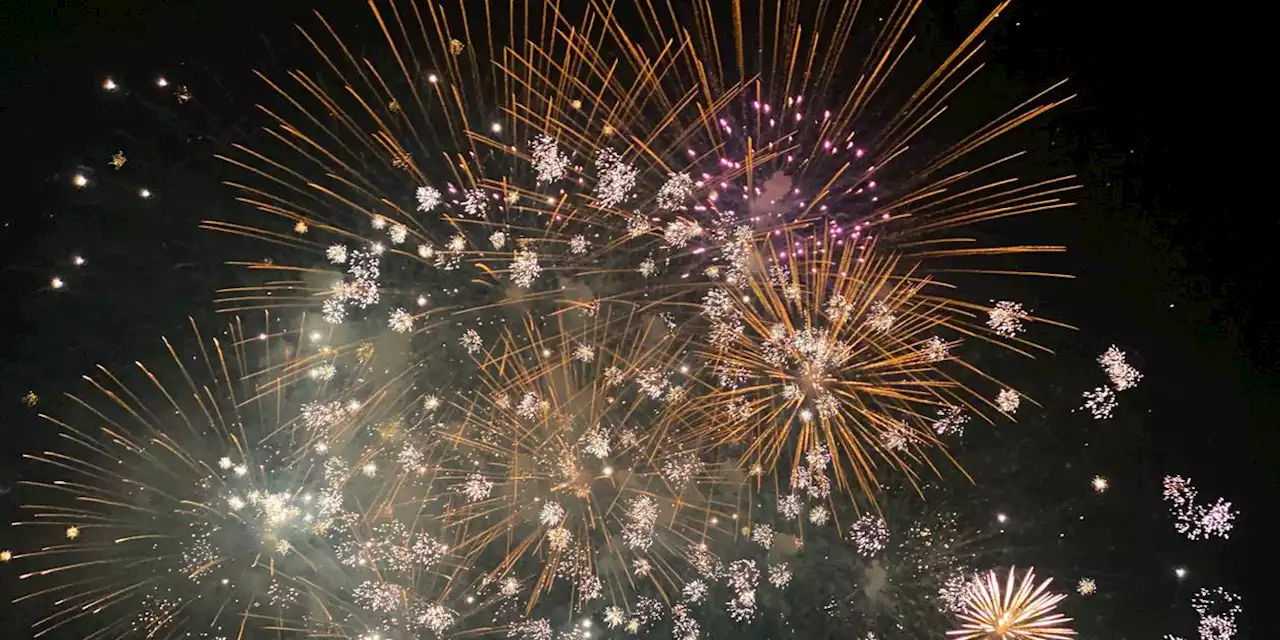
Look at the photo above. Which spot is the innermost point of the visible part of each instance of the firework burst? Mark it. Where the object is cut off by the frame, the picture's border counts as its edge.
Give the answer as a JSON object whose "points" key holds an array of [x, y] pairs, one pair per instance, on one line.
{"points": [[1018, 610]]}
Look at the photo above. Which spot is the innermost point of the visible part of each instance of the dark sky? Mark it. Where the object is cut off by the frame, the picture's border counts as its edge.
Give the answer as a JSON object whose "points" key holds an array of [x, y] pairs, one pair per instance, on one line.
{"points": [[1172, 242]]}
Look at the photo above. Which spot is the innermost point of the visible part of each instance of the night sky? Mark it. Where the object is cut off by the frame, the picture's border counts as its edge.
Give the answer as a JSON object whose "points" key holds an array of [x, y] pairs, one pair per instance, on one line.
{"points": [[1171, 241]]}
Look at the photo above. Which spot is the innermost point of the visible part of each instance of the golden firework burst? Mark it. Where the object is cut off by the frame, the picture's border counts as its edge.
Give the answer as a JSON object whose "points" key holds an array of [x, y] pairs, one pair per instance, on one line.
{"points": [[1020, 610]]}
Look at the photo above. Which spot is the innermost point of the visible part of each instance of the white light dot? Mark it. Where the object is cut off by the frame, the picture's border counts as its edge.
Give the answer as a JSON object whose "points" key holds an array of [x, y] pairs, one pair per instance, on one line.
{"points": [[78, 260], [109, 84], [432, 78], [1001, 517], [1180, 572], [495, 127], [608, 471], [79, 180], [57, 283], [422, 301], [546, 353], [161, 82], [471, 599], [144, 193]]}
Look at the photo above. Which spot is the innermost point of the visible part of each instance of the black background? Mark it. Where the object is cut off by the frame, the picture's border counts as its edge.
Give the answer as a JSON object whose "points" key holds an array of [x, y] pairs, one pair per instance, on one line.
{"points": [[1172, 242]]}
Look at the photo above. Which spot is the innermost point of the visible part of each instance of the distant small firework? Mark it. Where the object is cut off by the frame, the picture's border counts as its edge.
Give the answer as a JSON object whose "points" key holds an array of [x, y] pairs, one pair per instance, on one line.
{"points": [[1122, 374], [950, 421], [869, 534], [1008, 401], [1195, 520], [1100, 484], [1217, 609], [1100, 402], [1086, 587], [1006, 318], [1022, 612]]}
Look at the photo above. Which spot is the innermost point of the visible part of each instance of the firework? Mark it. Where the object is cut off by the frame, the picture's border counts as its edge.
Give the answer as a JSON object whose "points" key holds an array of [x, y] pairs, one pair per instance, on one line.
{"points": [[1025, 611], [191, 490], [513, 186], [1193, 519]]}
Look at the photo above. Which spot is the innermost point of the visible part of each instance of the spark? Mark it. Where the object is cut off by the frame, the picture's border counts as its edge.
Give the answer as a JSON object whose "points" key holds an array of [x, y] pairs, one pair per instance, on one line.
{"points": [[1100, 484], [56, 283], [578, 244], [1086, 587], [79, 180], [73, 532]]}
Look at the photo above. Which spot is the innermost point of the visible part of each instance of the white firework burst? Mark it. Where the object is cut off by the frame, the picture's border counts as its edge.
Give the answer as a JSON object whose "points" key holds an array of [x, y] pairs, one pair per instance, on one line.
{"points": [[428, 198]]}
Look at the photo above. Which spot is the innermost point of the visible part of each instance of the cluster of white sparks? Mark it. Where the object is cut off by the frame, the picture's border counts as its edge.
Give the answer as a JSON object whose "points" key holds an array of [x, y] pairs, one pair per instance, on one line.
{"points": [[1008, 401], [1217, 609], [950, 421], [525, 269], [1006, 318], [1195, 520], [1122, 374], [549, 163], [642, 514], [742, 577], [674, 192], [615, 178], [476, 487], [869, 534], [1100, 402]]}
